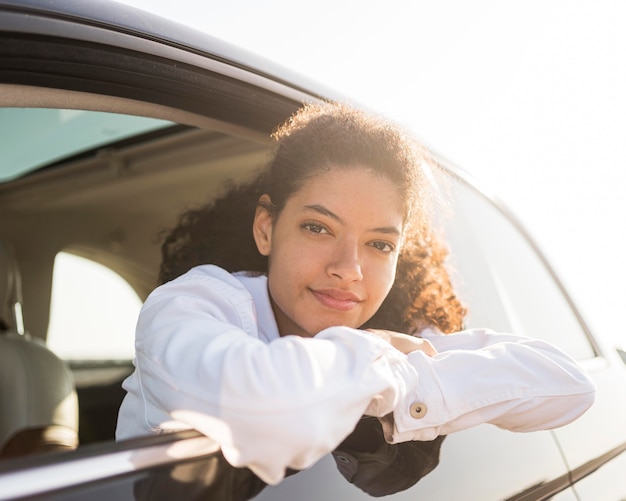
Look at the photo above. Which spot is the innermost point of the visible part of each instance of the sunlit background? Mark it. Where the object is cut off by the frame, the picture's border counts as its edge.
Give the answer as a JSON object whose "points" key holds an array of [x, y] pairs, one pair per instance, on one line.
{"points": [[529, 97]]}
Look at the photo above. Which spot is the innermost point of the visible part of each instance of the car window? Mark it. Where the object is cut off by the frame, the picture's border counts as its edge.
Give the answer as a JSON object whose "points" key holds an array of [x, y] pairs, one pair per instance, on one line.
{"points": [[93, 311], [54, 134], [503, 280]]}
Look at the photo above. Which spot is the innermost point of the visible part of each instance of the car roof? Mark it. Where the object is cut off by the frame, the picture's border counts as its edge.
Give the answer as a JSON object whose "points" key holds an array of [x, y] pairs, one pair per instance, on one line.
{"points": [[126, 19]]}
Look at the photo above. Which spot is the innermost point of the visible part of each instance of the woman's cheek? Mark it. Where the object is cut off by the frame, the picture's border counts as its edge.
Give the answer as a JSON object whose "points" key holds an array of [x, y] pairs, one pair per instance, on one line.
{"points": [[383, 273]]}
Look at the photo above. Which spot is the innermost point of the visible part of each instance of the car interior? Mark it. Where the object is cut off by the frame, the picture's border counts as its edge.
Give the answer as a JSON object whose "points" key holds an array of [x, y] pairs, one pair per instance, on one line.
{"points": [[102, 179]]}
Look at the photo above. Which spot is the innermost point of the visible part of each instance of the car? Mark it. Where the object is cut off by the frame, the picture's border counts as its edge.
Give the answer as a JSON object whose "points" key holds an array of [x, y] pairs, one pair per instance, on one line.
{"points": [[112, 122]]}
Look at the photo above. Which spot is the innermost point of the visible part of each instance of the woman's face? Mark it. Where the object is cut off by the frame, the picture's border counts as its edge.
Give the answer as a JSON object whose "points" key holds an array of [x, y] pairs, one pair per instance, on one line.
{"points": [[332, 250]]}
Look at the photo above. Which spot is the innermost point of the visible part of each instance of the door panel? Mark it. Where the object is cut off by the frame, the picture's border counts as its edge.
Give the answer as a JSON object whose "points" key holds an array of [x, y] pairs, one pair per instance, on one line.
{"points": [[480, 463]]}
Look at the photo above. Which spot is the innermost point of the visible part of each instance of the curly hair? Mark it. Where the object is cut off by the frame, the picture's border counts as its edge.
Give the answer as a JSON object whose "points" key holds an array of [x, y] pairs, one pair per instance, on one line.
{"points": [[316, 139]]}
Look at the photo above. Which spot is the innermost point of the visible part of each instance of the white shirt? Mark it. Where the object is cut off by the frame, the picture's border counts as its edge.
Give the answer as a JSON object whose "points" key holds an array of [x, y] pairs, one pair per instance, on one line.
{"points": [[209, 356]]}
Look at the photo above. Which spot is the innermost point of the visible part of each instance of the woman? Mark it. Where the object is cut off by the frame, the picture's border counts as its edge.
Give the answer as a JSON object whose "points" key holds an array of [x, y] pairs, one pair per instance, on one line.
{"points": [[278, 366]]}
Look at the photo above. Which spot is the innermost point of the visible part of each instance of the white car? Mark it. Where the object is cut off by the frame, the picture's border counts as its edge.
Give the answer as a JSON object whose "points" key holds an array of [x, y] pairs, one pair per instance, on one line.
{"points": [[112, 121]]}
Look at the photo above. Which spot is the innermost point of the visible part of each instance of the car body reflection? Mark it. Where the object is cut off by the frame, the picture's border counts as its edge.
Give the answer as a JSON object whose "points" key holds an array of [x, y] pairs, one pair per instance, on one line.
{"points": [[364, 459]]}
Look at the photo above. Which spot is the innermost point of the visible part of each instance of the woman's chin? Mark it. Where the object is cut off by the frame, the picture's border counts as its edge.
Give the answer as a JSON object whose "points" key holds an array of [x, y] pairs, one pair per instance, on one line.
{"points": [[320, 326]]}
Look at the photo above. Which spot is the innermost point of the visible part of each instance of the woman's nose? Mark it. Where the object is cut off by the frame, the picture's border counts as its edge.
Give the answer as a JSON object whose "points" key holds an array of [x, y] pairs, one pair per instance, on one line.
{"points": [[346, 262]]}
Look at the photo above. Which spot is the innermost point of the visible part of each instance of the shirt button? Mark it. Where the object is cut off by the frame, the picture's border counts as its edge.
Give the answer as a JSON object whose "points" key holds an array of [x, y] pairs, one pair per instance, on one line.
{"points": [[418, 410]]}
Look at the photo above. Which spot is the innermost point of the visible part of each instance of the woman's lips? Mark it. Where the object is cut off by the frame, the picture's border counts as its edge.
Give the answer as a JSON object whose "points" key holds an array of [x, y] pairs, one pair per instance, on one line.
{"points": [[336, 299]]}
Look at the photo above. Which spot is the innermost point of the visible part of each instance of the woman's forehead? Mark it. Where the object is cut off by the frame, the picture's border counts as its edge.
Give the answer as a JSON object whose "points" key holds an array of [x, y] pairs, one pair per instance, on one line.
{"points": [[352, 193]]}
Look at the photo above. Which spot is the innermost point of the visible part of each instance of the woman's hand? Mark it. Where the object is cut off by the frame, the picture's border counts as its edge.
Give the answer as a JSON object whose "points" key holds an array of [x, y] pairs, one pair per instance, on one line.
{"points": [[405, 343]]}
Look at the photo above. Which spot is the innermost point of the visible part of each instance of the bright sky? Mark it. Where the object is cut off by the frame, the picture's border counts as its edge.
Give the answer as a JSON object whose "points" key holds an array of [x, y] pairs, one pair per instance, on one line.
{"points": [[527, 96]]}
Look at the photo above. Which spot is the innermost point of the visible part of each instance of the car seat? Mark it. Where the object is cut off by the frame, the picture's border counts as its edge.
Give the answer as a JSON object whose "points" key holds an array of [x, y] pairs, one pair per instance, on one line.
{"points": [[38, 402]]}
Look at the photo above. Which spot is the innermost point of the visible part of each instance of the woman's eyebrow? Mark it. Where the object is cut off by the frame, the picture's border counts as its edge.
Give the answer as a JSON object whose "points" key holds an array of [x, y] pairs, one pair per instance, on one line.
{"points": [[326, 212], [392, 230]]}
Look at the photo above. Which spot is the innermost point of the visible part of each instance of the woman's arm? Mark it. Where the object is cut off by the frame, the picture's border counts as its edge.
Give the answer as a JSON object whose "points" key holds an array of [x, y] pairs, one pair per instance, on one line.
{"points": [[269, 406], [478, 376]]}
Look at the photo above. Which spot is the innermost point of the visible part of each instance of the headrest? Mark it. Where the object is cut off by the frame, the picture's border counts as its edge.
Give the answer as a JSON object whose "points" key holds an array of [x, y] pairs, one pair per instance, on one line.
{"points": [[10, 292]]}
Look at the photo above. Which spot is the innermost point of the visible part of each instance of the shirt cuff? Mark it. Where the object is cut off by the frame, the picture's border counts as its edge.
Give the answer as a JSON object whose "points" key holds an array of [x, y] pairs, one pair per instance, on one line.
{"points": [[421, 413]]}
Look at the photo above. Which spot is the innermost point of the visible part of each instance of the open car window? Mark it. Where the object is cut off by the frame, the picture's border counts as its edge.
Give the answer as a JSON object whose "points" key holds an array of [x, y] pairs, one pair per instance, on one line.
{"points": [[93, 311]]}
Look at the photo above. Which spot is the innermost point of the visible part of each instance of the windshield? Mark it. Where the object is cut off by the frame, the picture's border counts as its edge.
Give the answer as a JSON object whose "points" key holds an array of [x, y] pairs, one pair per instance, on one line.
{"points": [[33, 138]]}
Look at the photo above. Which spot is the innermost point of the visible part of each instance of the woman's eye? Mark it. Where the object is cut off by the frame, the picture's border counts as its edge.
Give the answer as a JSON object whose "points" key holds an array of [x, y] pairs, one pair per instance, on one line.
{"points": [[314, 228], [383, 246]]}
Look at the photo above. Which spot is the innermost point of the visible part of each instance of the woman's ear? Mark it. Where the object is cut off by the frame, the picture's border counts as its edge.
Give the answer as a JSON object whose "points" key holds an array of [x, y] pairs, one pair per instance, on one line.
{"points": [[262, 227]]}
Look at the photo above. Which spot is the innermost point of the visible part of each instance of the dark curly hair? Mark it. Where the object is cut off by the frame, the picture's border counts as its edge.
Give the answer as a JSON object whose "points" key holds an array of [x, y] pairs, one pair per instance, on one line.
{"points": [[315, 139]]}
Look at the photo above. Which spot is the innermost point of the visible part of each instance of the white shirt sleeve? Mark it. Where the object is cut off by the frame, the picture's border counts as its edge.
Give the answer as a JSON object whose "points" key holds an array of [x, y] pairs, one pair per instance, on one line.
{"points": [[289, 402], [479, 376]]}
